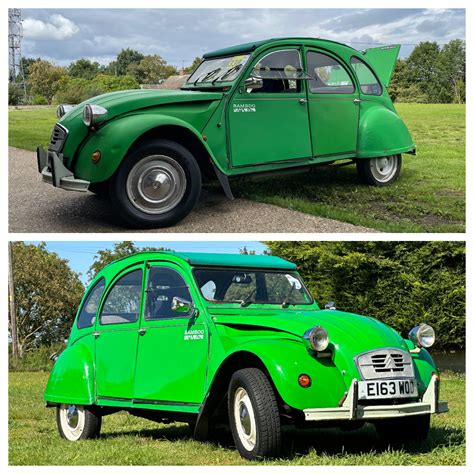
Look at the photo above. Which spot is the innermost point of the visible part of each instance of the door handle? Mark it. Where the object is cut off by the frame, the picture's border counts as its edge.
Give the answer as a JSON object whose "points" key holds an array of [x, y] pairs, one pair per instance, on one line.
{"points": [[142, 331], [96, 334], [303, 101], [357, 101]]}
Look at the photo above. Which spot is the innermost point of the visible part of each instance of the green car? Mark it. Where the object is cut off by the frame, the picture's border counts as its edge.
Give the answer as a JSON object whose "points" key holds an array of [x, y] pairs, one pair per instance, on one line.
{"points": [[236, 340], [278, 105]]}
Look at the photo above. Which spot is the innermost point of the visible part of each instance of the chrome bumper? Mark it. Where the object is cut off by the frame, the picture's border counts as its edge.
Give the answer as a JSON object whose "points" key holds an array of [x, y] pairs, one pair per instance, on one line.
{"points": [[53, 171], [351, 410]]}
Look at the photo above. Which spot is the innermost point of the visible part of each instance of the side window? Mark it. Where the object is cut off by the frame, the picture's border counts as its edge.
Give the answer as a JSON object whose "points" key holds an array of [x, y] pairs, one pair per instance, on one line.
{"points": [[91, 304], [280, 72], [329, 76], [163, 285], [122, 304], [369, 84]]}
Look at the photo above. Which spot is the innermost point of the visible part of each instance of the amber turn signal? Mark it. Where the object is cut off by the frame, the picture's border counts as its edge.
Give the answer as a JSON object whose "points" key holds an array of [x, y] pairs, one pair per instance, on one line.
{"points": [[304, 380], [96, 156]]}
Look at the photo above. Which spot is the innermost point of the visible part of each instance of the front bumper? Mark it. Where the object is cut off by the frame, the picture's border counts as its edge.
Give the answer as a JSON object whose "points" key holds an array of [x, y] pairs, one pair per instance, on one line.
{"points": [[53, 171], [351, 410]]}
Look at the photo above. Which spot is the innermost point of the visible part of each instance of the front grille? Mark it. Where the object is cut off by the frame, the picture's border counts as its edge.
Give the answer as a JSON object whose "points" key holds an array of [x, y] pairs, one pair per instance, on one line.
{"points": [[58, 138], [385, 363]]}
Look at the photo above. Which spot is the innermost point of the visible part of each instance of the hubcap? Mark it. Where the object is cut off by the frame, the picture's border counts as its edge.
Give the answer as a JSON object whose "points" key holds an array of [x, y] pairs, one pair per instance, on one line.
{"points": [[72, 418], [245, 419], [156, 184], [384, 168]]}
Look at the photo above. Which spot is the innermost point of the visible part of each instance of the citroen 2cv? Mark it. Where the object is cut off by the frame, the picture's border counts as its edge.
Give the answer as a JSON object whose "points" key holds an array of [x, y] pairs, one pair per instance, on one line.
{"points": [[278, 105], [212, 338]]}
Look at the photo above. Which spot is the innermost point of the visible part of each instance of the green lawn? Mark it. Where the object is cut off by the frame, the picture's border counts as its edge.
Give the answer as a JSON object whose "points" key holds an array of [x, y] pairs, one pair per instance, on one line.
{"points": [[127, 440], [428, 197]]}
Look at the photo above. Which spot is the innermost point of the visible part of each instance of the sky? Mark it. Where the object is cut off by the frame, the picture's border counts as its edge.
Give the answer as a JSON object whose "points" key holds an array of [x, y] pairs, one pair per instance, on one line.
{"points": [[179, 35], [81, 254]]}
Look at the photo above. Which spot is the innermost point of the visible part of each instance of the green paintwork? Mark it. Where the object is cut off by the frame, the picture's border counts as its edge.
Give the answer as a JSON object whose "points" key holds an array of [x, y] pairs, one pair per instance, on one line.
{"points": [[281, 133], [164, 369]]}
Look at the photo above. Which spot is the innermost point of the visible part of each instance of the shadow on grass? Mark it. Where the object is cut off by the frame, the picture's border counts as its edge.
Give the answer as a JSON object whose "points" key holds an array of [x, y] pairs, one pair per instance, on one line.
{"points": [[330, 442]]}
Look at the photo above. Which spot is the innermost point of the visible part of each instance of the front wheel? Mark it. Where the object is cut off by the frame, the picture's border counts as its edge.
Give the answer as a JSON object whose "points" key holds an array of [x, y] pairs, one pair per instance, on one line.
{"points": [[404, 430], [76, 422], [380, 171], [157, 185], [253, 415]]}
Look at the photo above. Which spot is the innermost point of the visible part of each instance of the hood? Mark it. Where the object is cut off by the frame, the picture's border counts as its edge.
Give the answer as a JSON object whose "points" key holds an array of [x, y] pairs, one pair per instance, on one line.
{"points": [[122, 102], [352, 333]]}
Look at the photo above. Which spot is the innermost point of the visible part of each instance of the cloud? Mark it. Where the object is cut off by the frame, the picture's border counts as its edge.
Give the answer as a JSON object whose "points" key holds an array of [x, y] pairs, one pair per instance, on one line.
{"points": [[58, 27]]}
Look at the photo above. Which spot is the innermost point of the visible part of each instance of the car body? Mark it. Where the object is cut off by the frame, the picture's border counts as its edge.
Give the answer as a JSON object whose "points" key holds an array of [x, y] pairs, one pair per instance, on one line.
{"points": [[277, 105], [236, 339]]}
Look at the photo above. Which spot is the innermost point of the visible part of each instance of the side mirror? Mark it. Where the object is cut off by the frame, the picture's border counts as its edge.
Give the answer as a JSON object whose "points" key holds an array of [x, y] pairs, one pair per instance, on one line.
{"points": [[330, 305], [180, 305], [253, 82]]}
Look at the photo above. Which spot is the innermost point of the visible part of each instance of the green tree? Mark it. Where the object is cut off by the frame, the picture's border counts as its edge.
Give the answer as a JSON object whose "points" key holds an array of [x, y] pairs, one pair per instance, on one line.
{"points": [[84, 68], [47, 294], [124, 59], [151, 70], [452, 70], [43, 78], [193, 66]]}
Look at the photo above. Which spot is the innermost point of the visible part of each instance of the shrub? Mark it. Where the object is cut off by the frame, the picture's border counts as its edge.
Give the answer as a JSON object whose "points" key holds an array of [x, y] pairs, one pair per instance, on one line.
{"points": [[39, 100], [15, 94]]}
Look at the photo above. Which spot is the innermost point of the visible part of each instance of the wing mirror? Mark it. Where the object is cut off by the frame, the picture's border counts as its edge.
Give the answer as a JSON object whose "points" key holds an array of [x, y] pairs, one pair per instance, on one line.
{"points": [[180, 305], [253, 82], [330, 305]]}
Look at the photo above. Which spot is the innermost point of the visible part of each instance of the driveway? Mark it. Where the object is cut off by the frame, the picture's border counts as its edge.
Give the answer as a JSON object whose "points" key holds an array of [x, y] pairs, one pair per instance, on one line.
{"points": [[35, 206]]}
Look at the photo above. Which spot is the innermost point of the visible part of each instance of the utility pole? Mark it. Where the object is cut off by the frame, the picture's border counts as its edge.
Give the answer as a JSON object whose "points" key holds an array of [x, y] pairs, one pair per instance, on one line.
{"points": [[15, 64], [11, 291]]}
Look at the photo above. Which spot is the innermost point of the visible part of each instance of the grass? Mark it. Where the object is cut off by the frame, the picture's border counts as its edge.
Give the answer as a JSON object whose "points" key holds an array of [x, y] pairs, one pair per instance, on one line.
{"points": [[127, 440], [428, 197]]}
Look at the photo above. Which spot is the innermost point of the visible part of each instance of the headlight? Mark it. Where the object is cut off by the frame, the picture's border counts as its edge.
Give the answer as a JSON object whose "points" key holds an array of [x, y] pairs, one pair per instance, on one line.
{"points": [[93, 113], [63, 109], [317, 338], [422, 335]]}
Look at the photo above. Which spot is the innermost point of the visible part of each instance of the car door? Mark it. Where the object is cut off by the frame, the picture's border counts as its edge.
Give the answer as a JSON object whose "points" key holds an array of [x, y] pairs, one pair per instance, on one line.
{"points": [[173, 343], [270, 124], [117, 336], [333, 102]]}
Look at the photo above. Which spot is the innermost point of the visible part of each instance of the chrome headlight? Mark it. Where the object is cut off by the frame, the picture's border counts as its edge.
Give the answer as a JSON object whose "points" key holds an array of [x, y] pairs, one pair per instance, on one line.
{"points": [[93, 113], [317, 338], [63, 109], [422, 335]]}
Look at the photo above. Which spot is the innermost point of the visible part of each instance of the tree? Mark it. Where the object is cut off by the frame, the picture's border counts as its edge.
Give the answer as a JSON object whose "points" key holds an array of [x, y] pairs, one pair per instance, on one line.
{"points": [[452, 70], [124, 59], [44, 77], [84, 68], [151, 70], [192, 67], [47, 294]]}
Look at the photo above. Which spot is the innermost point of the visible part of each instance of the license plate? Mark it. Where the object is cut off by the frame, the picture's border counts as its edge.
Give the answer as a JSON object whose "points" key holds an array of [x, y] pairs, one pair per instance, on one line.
{"points": [[369, 390]]}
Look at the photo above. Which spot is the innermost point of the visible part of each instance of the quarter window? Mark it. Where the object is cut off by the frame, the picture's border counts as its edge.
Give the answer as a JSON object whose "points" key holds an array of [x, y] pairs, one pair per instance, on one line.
{"points": [[369, 84], [91, 304], [122, 304], [280, 72], [164, 284], [328, 75]]}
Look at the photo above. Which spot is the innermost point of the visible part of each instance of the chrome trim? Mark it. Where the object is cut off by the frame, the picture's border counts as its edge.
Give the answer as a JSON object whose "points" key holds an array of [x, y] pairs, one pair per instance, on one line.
{"points": [[385, 363]]}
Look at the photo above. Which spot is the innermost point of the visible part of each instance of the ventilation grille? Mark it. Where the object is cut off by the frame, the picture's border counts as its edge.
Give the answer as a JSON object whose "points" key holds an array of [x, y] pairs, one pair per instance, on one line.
{"points": [[57, 138], [385, 363]]}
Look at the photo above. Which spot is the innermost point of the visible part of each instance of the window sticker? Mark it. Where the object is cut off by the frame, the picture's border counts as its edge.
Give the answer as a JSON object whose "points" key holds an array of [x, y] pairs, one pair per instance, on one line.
{"points": [[293, 281]]}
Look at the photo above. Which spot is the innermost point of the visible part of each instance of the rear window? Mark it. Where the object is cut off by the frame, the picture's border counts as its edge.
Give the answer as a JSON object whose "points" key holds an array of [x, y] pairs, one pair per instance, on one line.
{"points": [[369, 84], [91, 304]]}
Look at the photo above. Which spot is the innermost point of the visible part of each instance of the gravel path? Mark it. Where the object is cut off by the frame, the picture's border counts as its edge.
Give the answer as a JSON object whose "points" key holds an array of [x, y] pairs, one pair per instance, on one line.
{"points": [[35, 206]]}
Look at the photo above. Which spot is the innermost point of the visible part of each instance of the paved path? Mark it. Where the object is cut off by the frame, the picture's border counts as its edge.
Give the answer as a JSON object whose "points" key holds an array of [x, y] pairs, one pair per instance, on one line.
{"points": [[35, 206]]}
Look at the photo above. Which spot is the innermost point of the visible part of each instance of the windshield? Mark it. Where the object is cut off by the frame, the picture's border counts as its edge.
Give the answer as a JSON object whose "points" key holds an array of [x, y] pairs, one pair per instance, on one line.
{"points": [[218, 70], [252, 286]]}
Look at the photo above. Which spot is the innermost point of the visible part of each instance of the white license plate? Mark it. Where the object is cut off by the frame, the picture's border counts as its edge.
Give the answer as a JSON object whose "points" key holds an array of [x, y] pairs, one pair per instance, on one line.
{"points": [[372, 389]]}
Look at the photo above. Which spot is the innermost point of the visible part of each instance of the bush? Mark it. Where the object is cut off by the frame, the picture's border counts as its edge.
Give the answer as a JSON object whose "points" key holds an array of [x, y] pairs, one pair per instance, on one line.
{"points": [[35, 359], [15, 94], [39, 100]]}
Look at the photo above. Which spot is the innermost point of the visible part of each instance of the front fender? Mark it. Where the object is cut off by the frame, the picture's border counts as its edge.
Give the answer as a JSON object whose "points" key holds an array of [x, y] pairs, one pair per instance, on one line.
{"points": [[381, 132], [424, 366], [114, 140], [72, 377], [285, 360]]}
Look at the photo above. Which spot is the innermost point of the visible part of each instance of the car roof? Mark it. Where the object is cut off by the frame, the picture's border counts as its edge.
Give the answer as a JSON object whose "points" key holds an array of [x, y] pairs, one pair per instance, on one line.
{"points": [[249, 47]]}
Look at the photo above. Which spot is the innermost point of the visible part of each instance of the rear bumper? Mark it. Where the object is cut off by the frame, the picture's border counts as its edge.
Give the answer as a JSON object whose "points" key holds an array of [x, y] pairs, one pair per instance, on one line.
{"points": [[351, 410], [53, 171]]}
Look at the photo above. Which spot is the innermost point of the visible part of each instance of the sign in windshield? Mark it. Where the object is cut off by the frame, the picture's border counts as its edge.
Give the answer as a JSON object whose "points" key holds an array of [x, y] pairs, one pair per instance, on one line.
{"points": [[218, 70]]}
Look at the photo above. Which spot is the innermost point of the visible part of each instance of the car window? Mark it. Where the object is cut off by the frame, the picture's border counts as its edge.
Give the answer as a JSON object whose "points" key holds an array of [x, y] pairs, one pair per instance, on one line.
{"points": [[369, 84], [163, 285], [86, 317], [328, 75], [280, 71], [122, 304]]}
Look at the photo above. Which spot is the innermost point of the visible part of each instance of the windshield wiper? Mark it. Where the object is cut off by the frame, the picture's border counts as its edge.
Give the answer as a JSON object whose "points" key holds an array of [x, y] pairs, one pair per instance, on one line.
{"points": [[207, 75], [286, 301], [228, 73], [248, 299]]}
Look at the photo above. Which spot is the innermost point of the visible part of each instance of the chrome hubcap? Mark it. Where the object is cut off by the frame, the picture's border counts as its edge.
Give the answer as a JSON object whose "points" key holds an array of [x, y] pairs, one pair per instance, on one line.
{"points": [[245, 419], [156, 184], [72, 416], [384, 168]]}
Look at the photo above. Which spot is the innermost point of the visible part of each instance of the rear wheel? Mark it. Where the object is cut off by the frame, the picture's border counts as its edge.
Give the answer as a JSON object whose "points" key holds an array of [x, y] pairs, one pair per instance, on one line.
{"points": [[76, 422], [404, 430], [253, 415], [157, 185], [380, 171]]}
